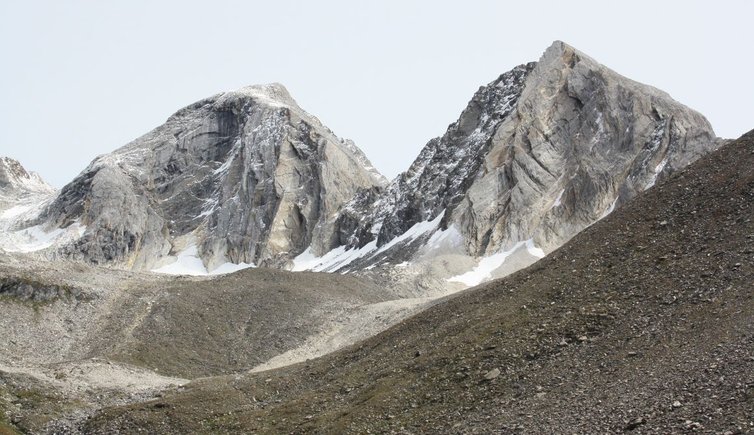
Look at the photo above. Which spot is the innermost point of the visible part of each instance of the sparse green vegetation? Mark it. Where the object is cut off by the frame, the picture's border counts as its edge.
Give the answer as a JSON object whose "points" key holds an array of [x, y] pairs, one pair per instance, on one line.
{"points": [[6, 428]]}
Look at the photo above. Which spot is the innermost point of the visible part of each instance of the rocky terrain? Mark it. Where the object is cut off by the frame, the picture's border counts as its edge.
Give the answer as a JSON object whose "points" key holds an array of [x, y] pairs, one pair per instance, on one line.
{"points": [[77, 337], [642, 323]]}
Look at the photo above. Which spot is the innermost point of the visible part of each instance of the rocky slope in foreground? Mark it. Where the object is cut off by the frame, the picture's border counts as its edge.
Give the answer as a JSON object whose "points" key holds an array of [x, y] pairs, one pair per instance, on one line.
{"points": [[643, 322]]}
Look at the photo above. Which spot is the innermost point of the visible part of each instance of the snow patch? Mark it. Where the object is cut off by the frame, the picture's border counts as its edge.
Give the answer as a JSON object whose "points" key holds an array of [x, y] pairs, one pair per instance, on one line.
{"points": [[37, 237], [557, 202], [188, 262], [418, 229], [16, 211], [609, 209], [341, 257], [656, 173], [332, 260], [483, 271]]}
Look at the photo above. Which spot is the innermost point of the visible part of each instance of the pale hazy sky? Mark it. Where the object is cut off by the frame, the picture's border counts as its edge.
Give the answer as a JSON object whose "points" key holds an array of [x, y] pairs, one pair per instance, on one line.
{"points": [[82, 78]]}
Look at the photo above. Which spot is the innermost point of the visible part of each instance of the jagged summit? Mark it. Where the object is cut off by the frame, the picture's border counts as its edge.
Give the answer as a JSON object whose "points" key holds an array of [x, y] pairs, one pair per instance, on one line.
{"points": [[13, 176]]}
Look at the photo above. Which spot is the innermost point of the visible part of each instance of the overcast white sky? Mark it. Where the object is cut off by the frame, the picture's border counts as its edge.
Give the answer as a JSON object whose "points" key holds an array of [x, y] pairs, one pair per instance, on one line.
{"points": [[82, 78]]}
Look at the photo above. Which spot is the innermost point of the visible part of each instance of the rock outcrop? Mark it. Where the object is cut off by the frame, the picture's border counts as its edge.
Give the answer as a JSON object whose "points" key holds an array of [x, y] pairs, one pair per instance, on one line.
{"points": [[241, 177]]}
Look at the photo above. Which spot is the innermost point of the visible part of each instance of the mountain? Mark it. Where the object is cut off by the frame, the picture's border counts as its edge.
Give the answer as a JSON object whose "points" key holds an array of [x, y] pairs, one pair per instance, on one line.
{"points": [[538, 155], [17, 181], [23, 194], [648, 306], [643, 322], [243, 177], [248, 178]]}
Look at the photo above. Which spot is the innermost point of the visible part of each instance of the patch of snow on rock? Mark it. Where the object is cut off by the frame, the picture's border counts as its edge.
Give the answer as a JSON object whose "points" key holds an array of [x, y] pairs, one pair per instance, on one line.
{"points": [[483, 271], [657, 171], [37, 237], [558, 202], [341, 257], [187, 262]]}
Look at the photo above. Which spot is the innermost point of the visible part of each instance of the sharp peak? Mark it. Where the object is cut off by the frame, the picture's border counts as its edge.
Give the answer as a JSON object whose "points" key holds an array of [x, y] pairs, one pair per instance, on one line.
{"points": [[560, 56], [8, 163], [564, 53], [561, 45], [13, 172]]}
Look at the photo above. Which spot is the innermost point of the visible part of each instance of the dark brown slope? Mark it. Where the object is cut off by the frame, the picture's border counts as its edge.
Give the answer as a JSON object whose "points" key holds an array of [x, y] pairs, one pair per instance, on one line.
{"points": [[643, 322]]}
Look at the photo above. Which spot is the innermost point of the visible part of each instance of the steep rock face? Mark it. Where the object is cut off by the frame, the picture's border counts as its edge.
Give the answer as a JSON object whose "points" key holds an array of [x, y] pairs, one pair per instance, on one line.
{"points": [[538, 155], [582, 141], [444, 169], [242, 177]]}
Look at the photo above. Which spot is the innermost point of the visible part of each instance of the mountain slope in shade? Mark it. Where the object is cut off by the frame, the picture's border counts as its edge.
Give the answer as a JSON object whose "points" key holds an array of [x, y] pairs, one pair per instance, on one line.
{"points": [[643, 322]]}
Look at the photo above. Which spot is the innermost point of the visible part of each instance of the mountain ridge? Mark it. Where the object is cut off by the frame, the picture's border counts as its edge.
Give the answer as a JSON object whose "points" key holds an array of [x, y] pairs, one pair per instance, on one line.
{"points": [[247, 178]]}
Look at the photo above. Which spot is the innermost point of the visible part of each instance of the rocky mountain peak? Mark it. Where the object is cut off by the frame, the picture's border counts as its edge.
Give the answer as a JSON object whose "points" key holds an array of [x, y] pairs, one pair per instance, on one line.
{"points": [[539, 154], [14, 177], [245, 177]]}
